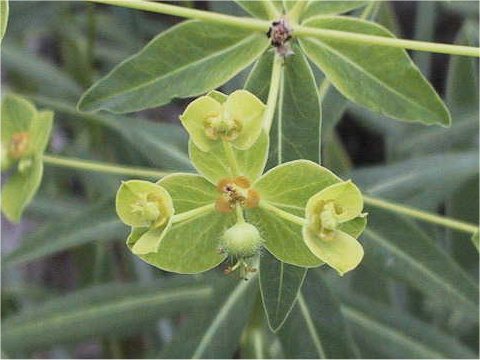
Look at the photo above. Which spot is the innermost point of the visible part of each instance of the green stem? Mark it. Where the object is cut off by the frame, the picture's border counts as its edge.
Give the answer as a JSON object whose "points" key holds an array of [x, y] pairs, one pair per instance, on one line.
{"points": [[240, 217], [246, 23], [232, 160], [280, 121], [296, 11], [192, 214], [421, 215], [281, 213], [88, 165], [273, 92], [349, 37], [263, 25]]}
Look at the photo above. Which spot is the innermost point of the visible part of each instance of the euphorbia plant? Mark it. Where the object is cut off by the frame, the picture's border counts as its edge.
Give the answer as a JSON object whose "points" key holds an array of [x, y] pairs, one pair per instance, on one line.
{"points": [[191, 223]]}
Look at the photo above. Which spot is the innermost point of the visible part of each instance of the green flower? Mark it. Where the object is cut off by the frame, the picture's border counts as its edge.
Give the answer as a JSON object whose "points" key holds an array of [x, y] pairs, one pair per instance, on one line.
{"points": [[231, 211], [236, 119], [325, 212]]}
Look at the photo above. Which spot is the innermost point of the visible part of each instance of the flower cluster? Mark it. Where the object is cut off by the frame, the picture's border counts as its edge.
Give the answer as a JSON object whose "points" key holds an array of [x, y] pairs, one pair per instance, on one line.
{"points": [[188, 223]]}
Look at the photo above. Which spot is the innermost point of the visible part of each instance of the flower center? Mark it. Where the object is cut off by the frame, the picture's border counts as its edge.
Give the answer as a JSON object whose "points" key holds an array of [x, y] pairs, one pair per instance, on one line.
{"points": [[150, 206], [236, 191], [324, 220], [223, 127]]}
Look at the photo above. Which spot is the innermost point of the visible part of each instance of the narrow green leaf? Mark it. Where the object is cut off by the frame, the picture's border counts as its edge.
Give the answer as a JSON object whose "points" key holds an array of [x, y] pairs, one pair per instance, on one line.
{"points": [[105, 310], [258, 9], [215, 334], [397, 247], [396, 334], [214, 164], [424, 181], [296, 127], [395, 88], [98, 223], [279, 286], [206, 54], [325, 7], [316, 328]]}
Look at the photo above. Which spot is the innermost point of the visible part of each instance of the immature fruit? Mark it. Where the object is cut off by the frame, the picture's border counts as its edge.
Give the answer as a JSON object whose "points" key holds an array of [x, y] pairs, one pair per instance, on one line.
{"points": [[242, 240]]}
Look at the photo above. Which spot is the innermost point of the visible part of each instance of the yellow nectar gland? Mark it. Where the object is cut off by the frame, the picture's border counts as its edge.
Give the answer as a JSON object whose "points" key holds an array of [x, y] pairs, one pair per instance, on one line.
{"points": [[236, 191], [224, 127], [18, 145]]}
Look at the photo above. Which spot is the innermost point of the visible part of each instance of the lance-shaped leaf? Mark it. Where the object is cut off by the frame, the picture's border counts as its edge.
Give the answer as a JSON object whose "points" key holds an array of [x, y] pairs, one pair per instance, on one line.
{"points": [[3, 17], [396, 334], [216, 332], [214, 164], [279, 286], [325, 7], [380, 78], [259, 9], [316, 328], [206, 54], [396, 246], [192, 245], [100, 311]]}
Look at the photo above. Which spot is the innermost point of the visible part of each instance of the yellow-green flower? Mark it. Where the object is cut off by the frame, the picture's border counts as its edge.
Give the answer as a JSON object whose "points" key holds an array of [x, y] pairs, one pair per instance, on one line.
{"points": [[238, 120], [324, 213]]}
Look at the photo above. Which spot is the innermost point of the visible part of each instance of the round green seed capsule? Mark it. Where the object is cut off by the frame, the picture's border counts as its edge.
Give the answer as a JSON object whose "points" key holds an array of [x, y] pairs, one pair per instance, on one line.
{"points": [[242, 240]]}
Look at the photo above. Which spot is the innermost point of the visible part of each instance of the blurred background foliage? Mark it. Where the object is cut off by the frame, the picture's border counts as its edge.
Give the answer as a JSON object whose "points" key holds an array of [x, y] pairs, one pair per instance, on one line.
{"points": [[70, 287]]}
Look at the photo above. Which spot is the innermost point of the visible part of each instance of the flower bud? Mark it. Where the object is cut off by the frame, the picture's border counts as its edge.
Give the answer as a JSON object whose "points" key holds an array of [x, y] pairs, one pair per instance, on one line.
{"points": [[242, 240]]}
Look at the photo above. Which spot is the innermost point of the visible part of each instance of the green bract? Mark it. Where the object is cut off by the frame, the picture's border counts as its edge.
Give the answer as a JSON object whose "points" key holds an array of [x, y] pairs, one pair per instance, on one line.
{"points": [[24, 137], [231, 210], [325, 212], [237, 120]]}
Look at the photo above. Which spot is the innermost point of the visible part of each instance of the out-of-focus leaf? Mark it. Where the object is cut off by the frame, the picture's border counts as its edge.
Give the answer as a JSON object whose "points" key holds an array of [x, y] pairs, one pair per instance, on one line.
{"points": [[97, 223], [206, 54], [316, 328], [37, 74], [395, 334], [215, 334], [397, 247], [3, 17], [425, 21], [279, 285], [363, 76], [103, 310], [164, 145], [325, 7], [424, 181]]}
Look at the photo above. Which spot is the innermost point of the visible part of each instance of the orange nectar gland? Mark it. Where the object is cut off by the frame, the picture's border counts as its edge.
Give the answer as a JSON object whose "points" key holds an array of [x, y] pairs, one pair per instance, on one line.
{"points": [[18, 145], [224, 128], [236, 191]]}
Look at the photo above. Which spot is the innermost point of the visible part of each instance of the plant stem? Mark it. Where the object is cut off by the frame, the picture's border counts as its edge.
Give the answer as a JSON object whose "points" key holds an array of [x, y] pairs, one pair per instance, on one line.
{"points": [[232, 160], [273, 92], [89, 165], [263, 25], [281, 213], [192, 214], [246, 23], [239, 213], [421, 215], [349, 37], [297, 9]]}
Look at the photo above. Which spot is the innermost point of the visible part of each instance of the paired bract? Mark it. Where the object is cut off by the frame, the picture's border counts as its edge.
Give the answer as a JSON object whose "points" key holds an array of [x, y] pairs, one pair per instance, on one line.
{"points": [[187, 223]]}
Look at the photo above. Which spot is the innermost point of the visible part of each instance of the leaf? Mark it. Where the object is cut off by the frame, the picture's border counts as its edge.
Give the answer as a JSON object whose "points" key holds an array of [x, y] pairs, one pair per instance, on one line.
{"points": [[279, 286], [258, 9], [316, 328], [206, 54], [365, 76], [192, 245], [214, 164], [296, 127], [396, 334], [20, 189], [397, 247], [216, 333], [95, 223], [325, 7], [104, 310], [18, 114], [3, 17], [424, 181]]}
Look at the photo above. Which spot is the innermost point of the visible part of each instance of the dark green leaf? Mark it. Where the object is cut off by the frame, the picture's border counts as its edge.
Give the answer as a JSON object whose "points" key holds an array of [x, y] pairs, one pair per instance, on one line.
{"points": [[325, 7]]}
